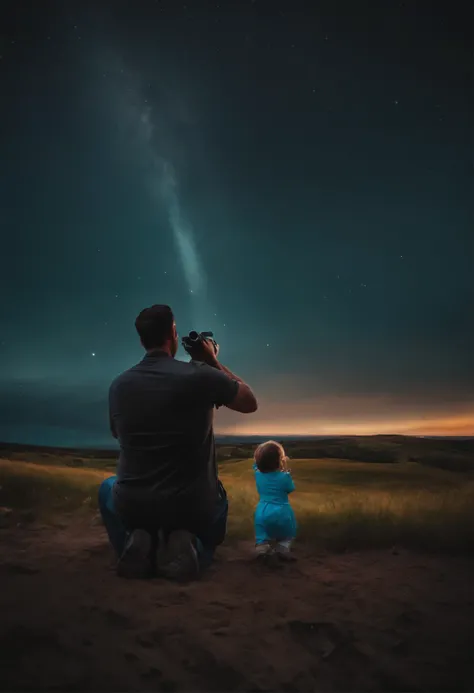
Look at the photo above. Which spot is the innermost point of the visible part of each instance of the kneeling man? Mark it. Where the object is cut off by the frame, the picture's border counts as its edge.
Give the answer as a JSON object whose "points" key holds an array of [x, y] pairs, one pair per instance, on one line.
{"points": [[166, 511]]}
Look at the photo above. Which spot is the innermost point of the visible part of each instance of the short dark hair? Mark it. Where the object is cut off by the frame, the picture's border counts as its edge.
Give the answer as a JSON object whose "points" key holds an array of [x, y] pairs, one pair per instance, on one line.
{"points": [[154, 326]]}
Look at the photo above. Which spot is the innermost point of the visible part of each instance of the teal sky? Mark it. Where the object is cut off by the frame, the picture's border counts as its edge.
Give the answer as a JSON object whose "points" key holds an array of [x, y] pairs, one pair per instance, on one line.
{"points": [[295, 180]]}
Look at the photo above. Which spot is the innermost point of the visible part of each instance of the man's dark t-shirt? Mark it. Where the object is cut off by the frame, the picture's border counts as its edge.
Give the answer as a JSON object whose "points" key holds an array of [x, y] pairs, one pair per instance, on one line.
{"points": [[162, 413]]}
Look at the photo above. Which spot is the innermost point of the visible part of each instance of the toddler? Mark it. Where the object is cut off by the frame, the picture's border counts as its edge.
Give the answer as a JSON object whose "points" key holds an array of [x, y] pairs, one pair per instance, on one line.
{"points": [[275, 522]]}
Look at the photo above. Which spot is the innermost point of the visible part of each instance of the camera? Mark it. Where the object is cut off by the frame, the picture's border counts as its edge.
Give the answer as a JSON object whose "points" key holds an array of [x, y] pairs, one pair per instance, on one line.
{"points": [[192, 342]]}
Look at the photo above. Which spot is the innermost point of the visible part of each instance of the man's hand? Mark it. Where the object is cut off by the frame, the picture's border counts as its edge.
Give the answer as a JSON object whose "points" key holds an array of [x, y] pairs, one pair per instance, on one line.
{"points": [[208, 352]]}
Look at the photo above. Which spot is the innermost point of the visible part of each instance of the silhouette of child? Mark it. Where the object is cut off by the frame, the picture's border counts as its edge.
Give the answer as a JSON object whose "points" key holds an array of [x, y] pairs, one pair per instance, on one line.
{"points": [[275, 522]]}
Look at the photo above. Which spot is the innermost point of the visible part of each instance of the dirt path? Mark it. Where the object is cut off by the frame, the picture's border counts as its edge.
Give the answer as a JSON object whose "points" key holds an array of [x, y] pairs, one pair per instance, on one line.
{"points": [[363, 621]]}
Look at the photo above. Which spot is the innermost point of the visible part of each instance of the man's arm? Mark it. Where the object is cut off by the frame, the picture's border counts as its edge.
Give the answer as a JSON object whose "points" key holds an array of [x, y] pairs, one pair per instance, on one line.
{"points": [[243, 401]]}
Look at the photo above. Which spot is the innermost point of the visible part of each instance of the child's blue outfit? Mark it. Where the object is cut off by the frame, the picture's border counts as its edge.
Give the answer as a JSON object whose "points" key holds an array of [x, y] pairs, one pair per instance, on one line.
{"points": [[274, 517]]}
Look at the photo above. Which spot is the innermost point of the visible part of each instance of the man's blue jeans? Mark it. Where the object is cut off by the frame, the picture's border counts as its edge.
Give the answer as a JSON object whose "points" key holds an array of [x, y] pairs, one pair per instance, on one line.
{"points": [[206, 543]]}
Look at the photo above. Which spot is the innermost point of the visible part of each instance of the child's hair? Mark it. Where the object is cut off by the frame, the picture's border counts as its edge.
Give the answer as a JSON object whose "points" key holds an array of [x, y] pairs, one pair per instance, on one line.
{"points": [[270, 457]]}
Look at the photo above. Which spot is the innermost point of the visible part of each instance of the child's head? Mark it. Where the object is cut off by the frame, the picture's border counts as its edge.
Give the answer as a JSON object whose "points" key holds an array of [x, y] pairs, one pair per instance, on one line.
{"points": [[270, 457]]}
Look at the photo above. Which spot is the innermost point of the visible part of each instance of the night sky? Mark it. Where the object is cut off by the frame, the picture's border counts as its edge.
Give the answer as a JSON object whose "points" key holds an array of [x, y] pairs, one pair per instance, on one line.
{"points": [[296, 180]]}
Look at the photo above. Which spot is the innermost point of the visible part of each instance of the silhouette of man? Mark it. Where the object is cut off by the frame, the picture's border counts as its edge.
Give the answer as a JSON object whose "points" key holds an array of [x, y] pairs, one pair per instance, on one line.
{"points": [[166, 511]]}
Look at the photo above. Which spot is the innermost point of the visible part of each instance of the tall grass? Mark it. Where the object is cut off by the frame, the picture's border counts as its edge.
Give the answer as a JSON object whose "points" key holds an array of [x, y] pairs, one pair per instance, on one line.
{"points": [[48, 490], [339, 505], [342, 505]]}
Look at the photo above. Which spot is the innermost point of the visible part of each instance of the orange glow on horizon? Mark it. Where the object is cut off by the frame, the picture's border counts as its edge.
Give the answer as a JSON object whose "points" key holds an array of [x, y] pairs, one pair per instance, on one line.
{"points": [[345, 416]]}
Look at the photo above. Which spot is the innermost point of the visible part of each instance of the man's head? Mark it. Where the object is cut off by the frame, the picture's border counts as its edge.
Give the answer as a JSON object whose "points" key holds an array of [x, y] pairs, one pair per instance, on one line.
{"points": [[157, 329]]}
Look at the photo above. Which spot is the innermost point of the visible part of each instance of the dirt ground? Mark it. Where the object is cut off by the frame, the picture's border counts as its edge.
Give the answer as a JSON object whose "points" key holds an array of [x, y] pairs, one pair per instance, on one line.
{"points": [[381, 620]]}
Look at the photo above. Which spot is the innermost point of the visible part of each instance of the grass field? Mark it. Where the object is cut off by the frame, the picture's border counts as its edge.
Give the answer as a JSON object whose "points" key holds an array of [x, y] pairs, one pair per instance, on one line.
{"points": [[373, 601], [340, 504]]}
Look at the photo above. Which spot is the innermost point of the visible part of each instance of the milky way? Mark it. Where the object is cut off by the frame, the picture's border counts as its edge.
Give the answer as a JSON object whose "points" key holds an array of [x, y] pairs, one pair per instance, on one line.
{"points": [[143, 134]]}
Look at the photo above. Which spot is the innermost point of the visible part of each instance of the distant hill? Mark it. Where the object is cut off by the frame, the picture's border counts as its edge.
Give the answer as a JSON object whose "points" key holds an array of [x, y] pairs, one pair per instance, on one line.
{"points": [[226, 439], [455, 454]]}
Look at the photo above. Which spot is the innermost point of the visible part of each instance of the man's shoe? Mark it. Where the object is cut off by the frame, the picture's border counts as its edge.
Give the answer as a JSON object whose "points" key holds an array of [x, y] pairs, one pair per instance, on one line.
{"points": [[178, 558], [136, 559]]}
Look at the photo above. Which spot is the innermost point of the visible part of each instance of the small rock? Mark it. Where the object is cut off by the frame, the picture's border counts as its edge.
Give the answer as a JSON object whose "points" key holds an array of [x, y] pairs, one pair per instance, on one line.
{"points": [[320, 638]]}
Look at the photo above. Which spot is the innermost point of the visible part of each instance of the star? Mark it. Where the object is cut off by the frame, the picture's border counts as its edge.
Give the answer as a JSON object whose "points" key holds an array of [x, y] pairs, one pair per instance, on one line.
{"points": [[396, 102], [93, 353]]}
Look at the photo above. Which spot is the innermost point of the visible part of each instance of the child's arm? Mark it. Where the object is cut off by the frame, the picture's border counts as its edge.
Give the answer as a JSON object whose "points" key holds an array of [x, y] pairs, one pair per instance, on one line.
{"points": [[289, 483]]}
